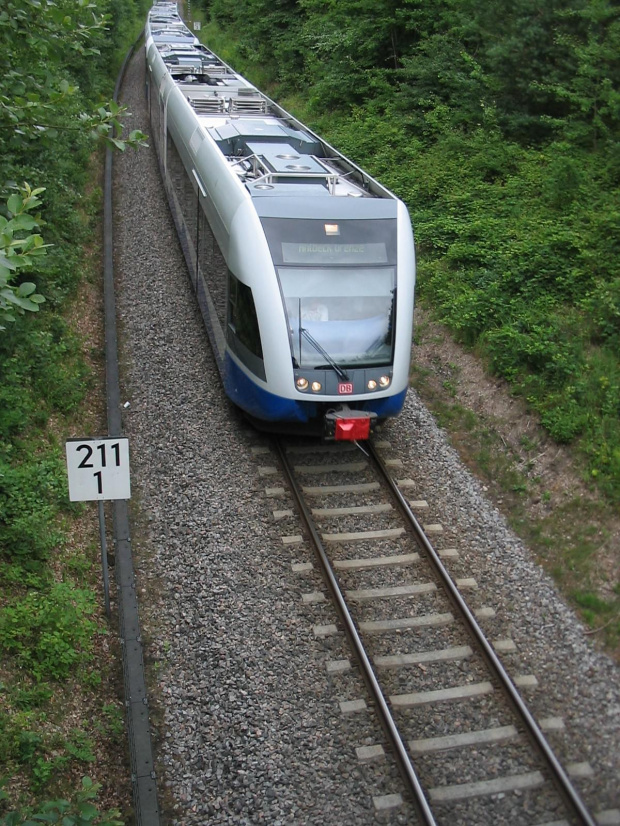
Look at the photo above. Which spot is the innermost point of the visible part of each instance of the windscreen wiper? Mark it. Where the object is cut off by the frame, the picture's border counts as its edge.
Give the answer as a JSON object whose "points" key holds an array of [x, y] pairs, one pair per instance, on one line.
{"points": [[342, 374]]}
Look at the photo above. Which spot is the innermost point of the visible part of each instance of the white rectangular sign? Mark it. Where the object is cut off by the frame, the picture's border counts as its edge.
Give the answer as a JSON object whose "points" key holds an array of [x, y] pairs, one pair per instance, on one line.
{"points": [[98, 469]]}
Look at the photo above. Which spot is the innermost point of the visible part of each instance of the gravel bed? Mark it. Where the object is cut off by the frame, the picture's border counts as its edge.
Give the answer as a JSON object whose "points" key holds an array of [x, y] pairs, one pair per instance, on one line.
{"points": [[428, 720], [421, 640], [517, 760], [385, 576], [249, 724], [411, 679], [359, 522], [369, 549], [525, 807], [380, 610]]}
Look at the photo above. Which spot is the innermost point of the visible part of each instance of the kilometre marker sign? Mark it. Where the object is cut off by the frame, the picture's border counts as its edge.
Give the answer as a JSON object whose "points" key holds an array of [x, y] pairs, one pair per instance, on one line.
{"points": [[98, 469]]}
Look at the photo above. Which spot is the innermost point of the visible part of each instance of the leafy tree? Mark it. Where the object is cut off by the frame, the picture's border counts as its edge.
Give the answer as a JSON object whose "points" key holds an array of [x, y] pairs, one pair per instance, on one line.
{"points": [[269, 33], [18, 252], [57, 59], [43, 46], [590, 93]]}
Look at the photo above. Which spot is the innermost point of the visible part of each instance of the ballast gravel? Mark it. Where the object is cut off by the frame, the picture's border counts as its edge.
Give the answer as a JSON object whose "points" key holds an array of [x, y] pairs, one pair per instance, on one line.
{"points": [[249, 723]]}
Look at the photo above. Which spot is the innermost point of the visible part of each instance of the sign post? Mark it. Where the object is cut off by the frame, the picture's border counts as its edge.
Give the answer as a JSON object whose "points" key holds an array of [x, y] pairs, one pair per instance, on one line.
{"points": [[104, 559], [98, 470]]}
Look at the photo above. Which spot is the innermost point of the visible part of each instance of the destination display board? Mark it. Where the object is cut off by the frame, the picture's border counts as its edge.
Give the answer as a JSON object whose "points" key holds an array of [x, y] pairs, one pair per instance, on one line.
{"points": [[325, 253]]}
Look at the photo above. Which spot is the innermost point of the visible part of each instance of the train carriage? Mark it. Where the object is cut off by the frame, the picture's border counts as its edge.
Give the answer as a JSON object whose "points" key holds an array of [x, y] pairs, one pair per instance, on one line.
{"points": [[302, 264]]}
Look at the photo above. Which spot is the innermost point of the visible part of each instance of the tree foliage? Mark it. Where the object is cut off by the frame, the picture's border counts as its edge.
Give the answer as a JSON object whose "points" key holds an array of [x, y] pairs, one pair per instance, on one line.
{"points": [[45, 47], [58, 62], [18, 251], [541, 67]]}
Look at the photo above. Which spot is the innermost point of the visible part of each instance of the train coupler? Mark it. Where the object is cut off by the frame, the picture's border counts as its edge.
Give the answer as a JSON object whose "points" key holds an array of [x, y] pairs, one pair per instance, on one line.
{"points": [[346, 425]]}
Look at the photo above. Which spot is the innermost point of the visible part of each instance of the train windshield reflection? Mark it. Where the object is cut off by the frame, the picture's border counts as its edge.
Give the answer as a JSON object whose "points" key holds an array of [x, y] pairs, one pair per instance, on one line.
{"points": [[349, 312]]}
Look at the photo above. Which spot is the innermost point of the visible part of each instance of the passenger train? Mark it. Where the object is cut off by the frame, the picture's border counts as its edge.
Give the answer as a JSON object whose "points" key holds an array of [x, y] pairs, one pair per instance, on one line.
{"points": [[302, 264]]}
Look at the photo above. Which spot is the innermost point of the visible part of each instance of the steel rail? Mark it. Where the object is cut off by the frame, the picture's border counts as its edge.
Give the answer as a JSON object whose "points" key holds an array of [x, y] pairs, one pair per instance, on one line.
{"points": [[560, 778], [400, 752]]}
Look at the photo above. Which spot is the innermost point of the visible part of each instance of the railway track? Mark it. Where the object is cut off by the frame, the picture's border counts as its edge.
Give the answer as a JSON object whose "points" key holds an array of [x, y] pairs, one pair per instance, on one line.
{"points": [[455, 723]]}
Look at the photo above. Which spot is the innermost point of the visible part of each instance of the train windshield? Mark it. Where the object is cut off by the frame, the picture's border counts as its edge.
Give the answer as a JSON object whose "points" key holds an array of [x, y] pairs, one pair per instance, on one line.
{"points": [[348, 312], [338, 282]]}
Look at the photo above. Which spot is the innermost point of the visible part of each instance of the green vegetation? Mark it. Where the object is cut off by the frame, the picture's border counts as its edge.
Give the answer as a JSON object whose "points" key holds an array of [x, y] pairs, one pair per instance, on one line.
{"points": [[568, 532], [49, 633], [18, 253], [58, 63], [79, 811], [499, 125]]}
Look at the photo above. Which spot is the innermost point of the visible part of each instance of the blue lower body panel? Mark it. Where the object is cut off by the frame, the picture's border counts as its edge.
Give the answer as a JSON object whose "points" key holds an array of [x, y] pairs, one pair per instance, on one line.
{"points": [[385, 407], [260, 404]]}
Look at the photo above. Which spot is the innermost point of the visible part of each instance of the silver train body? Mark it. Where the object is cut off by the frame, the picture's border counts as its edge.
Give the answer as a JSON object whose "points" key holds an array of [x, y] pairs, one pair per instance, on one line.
{"points": [[302, 264]]}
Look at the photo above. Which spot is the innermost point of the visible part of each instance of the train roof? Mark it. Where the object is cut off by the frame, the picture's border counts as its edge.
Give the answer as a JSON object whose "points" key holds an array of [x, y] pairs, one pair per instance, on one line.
{"points": [[277, 158]]}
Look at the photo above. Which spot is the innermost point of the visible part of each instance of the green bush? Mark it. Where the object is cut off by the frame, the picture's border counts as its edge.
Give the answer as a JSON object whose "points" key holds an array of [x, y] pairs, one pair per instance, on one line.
{"points": [[30, 494], [49, 634], [602, 305], [79, 811]]}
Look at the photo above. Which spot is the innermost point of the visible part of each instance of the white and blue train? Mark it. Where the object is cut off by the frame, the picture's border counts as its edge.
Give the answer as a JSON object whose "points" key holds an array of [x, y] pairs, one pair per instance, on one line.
{"points": [[303, 265]]}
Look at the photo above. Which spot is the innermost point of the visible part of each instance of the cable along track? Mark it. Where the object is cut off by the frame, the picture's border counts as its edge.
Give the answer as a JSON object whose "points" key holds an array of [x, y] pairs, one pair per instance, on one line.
{"points": [[455, 723]]}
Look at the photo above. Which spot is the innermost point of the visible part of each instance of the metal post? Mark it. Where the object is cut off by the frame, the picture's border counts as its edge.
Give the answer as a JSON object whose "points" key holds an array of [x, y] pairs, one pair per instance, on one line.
{"points": [[104, 559]]}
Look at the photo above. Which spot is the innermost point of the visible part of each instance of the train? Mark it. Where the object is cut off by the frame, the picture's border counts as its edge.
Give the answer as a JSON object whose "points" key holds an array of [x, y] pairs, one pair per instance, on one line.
{"points": [[303, 265]]}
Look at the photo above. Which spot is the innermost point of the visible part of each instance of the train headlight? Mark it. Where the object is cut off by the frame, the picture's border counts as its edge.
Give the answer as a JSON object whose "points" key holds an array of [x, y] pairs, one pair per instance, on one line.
{"points": [[384, 381], [372, 384], [316, 386], [302, 384]]}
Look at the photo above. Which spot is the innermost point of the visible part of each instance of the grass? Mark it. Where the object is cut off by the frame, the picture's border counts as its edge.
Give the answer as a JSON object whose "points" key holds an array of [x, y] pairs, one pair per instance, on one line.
{"points": [[570, 536]]}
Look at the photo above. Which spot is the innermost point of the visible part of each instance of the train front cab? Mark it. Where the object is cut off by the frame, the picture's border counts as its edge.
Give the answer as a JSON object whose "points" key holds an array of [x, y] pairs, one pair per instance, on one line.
{"points": [[338, 282]]}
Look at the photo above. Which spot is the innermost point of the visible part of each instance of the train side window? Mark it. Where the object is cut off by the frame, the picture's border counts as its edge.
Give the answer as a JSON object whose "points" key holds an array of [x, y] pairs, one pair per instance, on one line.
{"points": [[187, 199], [176, 170], [184, 186], [156, 110], [155, 117], [243, 331], [213, 267]]}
